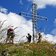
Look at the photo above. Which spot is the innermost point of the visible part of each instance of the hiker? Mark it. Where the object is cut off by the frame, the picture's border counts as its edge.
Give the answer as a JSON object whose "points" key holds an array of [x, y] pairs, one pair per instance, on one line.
{"points": [[40, 36], [10, 35], [29, 38]]}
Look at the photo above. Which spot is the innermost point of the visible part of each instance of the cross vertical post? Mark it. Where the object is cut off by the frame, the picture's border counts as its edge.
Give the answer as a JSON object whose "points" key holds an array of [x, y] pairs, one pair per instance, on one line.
{"points": [[34, 13]]}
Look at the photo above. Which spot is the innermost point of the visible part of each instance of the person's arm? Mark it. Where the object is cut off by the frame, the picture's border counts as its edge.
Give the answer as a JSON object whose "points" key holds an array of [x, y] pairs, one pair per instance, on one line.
{"points": [[7, 32], [27, 36]]}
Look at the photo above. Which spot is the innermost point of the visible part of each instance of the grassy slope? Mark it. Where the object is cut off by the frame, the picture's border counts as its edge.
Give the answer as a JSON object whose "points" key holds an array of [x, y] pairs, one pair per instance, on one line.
{"points": [[39, 49]]}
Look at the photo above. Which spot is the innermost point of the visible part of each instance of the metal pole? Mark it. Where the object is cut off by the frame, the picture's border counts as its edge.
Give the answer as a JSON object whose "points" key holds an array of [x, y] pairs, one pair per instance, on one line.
{"points": [[34, 12]]}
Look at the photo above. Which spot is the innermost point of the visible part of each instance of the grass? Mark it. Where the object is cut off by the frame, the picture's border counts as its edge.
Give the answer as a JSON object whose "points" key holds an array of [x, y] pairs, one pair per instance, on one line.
{"points": [[29, 49]]}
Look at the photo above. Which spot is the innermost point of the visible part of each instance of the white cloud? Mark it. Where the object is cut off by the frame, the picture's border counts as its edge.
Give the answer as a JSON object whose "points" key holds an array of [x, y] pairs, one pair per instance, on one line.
{"points": [[43, 3], [49, 38], [3, 10], [24, 26]]}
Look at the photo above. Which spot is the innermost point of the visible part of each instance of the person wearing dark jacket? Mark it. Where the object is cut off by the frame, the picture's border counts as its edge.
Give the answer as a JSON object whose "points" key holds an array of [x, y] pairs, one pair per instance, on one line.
{"points": [[40, 36], [10, 35], [29, 38]]}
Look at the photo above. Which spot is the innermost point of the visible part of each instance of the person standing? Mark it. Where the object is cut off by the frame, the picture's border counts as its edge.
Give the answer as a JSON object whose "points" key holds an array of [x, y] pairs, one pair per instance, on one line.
{"points": [[29, 38], [40, 36], [10, 35]]}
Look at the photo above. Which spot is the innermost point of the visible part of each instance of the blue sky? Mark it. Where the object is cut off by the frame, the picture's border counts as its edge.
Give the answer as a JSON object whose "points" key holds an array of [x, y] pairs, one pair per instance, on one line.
{"points": [[49, 11]]}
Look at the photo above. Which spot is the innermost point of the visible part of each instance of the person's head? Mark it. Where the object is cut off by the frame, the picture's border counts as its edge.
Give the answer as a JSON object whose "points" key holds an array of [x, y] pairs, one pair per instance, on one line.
{"points": [[10, 27], [39, 33], [28, 34]]}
